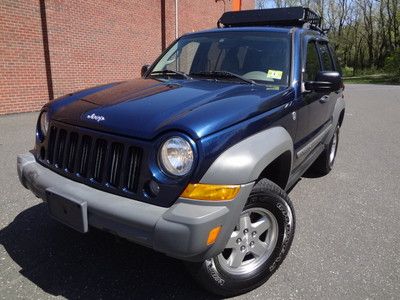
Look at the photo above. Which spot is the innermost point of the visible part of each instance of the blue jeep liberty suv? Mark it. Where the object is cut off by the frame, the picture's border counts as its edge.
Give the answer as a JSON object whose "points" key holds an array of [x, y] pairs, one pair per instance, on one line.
{"points": [[195, 158]]}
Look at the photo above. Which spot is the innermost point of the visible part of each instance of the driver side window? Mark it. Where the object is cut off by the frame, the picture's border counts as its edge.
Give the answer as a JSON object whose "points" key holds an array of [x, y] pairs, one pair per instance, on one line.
{"points": [[179, 59], [312, 62]]}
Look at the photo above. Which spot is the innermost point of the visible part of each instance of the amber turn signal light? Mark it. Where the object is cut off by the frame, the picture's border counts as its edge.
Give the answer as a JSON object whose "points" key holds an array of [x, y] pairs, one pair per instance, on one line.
{"points": [[211, 192], [213, 235]]}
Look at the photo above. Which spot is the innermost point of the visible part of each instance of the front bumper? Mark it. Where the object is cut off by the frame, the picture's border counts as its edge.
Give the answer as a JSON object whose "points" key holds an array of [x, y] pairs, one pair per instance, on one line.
{"points": [[180, 231]]}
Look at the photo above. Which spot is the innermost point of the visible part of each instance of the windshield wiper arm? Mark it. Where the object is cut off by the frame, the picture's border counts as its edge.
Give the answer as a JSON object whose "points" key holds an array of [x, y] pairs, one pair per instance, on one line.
{"points": [[223, 74], [170, 72]]}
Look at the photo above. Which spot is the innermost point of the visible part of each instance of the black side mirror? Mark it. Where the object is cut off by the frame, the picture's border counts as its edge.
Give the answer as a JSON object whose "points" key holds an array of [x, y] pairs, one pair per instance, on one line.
{"points": [[144, 70], [326, 81]]}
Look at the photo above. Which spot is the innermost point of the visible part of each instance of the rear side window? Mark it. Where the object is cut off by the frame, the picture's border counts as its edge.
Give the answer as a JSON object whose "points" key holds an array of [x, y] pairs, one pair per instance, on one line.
{"points": [[335, 60], [312, 63], [326, 60]]}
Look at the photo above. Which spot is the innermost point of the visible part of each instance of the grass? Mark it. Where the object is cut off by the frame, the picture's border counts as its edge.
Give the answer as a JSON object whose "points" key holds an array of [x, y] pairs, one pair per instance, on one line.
{"points": [[373, 79]]}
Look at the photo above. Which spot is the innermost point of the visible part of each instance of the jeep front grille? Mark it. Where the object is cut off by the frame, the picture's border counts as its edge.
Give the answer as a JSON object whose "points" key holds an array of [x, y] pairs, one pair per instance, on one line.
{"points": [[95, 159]]}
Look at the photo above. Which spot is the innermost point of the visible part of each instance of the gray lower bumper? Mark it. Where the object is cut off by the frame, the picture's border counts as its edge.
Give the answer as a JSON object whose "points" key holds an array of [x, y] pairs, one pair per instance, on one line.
{"points": [[180, 231]]}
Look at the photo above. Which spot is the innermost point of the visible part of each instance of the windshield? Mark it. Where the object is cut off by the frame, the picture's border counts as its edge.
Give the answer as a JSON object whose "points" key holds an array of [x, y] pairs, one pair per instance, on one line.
{"points": [[262, 57]]}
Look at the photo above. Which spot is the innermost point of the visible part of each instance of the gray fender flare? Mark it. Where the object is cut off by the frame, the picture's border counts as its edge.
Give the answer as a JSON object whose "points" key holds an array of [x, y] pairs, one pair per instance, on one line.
{"points": [[339, 107], [244, 162]]}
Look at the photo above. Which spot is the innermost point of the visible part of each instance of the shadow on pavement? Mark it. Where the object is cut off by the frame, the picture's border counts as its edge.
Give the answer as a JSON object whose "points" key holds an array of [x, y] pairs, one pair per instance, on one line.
{"points": [[96, 265]]}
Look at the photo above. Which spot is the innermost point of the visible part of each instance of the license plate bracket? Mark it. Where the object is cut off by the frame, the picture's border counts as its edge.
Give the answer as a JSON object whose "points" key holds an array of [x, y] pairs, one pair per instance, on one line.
{"points": [[70, 212]]}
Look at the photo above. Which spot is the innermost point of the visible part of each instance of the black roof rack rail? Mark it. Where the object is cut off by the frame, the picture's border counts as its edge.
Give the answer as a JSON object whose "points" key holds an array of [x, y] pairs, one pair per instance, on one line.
{"points": [[288, 16]]}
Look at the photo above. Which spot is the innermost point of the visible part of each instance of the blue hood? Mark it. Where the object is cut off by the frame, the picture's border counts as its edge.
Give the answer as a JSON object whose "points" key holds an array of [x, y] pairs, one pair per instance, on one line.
{"points": [[145, 108]]}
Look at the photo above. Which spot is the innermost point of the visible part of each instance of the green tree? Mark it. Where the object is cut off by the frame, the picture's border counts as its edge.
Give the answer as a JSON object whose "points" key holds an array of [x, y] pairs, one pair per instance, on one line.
{"points": [[392, 64]]}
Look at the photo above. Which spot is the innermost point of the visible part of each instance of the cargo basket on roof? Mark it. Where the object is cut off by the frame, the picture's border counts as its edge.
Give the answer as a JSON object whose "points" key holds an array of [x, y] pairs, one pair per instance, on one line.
{"points": [[288, 16]]}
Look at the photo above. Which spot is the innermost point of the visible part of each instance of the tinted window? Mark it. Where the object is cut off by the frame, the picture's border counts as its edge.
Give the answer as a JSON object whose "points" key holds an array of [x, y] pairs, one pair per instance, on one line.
{"points": [[335, 60], [259, 56], [326, 60], [180, 61], [312, 63]]}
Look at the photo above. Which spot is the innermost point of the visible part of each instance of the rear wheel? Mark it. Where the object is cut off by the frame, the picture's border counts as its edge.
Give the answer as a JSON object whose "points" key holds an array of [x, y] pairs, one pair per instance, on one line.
{"points": [[324, 163], [257, 245]]}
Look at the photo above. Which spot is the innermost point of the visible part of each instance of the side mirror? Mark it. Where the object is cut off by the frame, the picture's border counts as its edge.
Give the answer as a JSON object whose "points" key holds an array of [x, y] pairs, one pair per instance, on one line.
{"points": [[144, 70], [326, 81]]}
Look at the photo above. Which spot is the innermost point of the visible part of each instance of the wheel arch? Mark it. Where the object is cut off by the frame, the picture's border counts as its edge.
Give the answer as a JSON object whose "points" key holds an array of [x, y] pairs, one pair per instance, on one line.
{"points": [[260, 154], [341, 117], [278, 171], [337, 118]]}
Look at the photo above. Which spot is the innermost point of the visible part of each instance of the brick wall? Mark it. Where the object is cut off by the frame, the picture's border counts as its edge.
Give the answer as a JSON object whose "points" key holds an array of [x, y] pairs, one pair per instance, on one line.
{"points": [[95, 41], [23, 84], [89, 42]]}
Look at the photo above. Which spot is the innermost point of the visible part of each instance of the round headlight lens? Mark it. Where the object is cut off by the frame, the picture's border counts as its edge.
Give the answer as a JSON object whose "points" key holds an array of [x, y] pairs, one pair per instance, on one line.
{"points": [[44, 123], [176, 156]]}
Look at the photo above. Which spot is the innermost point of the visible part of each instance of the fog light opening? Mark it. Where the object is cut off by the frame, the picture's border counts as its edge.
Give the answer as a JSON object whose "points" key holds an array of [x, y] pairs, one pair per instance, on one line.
{"points": [[152, 188]]}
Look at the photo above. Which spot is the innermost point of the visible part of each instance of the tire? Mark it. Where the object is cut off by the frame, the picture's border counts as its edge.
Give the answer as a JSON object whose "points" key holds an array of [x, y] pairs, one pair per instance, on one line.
{"points": [[220, 275], [325, 161]]}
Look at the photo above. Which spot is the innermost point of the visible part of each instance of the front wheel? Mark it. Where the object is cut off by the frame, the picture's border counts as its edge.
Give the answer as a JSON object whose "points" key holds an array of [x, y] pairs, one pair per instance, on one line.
{"points": [[257, 245]]}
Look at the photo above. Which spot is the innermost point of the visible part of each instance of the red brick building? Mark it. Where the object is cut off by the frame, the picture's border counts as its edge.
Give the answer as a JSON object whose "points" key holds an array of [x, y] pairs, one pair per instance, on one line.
{"points": [[52, 47]]}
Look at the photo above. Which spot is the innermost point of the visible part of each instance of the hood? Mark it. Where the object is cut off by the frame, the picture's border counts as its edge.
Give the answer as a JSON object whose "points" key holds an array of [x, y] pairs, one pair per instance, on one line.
{"points": [[145, 108]]}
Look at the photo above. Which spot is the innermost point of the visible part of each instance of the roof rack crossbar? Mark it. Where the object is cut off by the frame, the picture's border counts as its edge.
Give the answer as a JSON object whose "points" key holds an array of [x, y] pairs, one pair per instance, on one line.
{"points": [[289, 16]]}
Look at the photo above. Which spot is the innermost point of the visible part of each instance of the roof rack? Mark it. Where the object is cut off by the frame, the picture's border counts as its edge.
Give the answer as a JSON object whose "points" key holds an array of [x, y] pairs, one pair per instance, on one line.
{"points": [[288, 16]]}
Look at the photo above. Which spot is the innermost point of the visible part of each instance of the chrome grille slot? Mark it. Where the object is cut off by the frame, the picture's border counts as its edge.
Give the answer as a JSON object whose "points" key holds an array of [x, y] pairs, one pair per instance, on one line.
{"points": [[134, 158], [117, 151], [52, 140], [100, 155], [71, 151], [60, 147], [84, 155]]}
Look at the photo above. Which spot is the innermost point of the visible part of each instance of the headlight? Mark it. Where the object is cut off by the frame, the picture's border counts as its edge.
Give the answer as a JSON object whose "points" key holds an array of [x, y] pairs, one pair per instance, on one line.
{"points": [[176, 156], [44, 123]]}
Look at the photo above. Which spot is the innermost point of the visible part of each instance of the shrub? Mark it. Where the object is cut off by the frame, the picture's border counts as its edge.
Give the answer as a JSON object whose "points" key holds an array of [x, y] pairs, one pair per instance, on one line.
{"points": [[348, 71], [392, 64]]}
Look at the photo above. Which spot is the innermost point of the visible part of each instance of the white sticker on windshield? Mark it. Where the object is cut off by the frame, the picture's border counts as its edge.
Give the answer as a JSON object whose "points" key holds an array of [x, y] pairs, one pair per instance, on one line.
{"points": [[274, 74]]}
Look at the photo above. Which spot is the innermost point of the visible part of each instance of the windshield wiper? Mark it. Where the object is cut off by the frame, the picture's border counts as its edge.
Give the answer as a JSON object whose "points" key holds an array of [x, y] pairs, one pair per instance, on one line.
{"points": [[222, 74], [171, 72]]}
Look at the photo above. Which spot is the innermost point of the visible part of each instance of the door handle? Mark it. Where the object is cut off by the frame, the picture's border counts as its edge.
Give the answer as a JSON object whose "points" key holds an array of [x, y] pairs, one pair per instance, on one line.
{"points": [[324, 99]]}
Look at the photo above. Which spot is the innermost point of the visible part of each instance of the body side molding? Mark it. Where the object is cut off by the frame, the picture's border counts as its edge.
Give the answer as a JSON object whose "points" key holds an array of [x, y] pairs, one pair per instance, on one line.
{"points": [[306, 149], [244, 162]]}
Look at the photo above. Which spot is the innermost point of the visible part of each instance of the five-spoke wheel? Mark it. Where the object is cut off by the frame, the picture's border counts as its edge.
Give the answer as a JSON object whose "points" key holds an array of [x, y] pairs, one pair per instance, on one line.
{"points": [[251, 242]]}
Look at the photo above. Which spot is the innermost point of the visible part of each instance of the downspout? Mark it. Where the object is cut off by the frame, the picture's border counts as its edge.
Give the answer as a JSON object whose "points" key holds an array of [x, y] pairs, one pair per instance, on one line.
{"points": [[46, 48], [163, 34], [236, 5], [176, 20]]}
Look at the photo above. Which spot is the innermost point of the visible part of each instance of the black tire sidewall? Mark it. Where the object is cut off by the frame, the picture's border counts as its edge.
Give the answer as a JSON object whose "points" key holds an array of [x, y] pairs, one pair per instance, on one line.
{"points": [[322, 165], [328, 162]]}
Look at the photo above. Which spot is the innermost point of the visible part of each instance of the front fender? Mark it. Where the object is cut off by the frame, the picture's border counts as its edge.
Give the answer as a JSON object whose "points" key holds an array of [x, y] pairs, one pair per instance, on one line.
{"points": [[244, 162]]}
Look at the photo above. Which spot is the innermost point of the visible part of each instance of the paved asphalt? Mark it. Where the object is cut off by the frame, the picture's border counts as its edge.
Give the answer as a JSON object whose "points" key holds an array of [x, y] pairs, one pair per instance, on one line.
{"points": [[346, 245]]}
